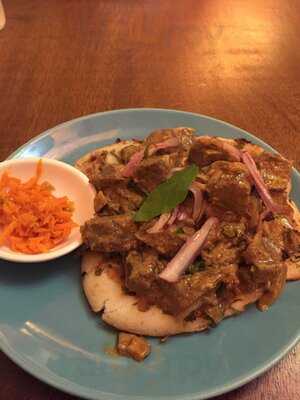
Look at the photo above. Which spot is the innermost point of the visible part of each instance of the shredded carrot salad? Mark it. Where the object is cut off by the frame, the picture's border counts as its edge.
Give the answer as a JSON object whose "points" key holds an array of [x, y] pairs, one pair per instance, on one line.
{"points": [[32, 219]]}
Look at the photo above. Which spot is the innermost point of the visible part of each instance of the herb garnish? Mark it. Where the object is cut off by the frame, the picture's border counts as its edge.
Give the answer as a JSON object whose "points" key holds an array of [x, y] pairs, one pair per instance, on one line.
{"points": [[167, 195]]}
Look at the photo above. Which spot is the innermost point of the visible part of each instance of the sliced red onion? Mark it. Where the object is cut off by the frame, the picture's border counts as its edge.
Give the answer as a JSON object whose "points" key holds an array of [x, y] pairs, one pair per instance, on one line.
{"points": [[264, 214], [133, 163], [173, 215], [188, 253], [233, 151], [160, 223], [200, 183], [182, 214], [259, 184], [198, 200], [176, 169], [172, 142]]}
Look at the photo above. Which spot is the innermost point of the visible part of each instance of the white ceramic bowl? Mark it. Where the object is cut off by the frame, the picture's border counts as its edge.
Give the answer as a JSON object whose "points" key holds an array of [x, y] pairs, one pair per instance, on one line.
{"points": [[67, 181]]}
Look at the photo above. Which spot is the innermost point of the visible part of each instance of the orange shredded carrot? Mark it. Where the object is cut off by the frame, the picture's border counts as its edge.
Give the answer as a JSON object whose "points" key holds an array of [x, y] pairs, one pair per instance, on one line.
{"points": [[32, 219]]}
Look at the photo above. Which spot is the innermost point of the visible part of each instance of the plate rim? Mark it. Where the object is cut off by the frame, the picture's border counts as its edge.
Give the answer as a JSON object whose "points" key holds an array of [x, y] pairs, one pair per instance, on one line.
{"points": [[36, 138], [73, 388]]}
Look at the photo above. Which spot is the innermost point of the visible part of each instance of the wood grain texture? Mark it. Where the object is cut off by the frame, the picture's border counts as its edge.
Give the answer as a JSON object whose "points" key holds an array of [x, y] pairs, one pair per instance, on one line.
{"points": [[236, 60]]}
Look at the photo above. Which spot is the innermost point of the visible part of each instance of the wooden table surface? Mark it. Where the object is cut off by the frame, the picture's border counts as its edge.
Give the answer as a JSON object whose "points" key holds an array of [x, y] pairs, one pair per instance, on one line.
{"points": [[235, 60]]}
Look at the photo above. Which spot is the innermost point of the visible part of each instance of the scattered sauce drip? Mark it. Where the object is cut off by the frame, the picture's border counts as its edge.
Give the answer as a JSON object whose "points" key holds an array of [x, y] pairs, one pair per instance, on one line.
{"points": [[111, 351], [32, 219]]}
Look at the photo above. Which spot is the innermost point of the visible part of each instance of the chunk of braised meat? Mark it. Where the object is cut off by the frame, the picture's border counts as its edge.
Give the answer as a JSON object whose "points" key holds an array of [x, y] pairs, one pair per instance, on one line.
{"points": [[215, 312], [153, 171], [275, 239], [93, 163], [221, 213], [165, 242], [221, 253], [133, 346], [265, 254], [216, 304], [110, 233], [263, 277], [192, 290], [282, 198], [234, 231], [180, 150], [122, 199], [228, 186], [253, 149], [184, 135], [127, 152], [142, 269], [251, 218], [254, 211], [114, 191], [267, 245], [274, 279], [288, 234], [109, 176], [292, 242], [207, 150], [245, 275], [275, 170], [224, 244]]}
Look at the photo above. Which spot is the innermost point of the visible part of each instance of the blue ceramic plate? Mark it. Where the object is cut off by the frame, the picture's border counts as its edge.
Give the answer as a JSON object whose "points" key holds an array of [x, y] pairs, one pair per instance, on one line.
{"points": [[47, 328]]}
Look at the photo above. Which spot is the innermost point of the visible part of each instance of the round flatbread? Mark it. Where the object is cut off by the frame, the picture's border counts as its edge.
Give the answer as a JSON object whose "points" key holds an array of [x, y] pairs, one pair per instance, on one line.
{"points": [[104, 290], [104, 293]]}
